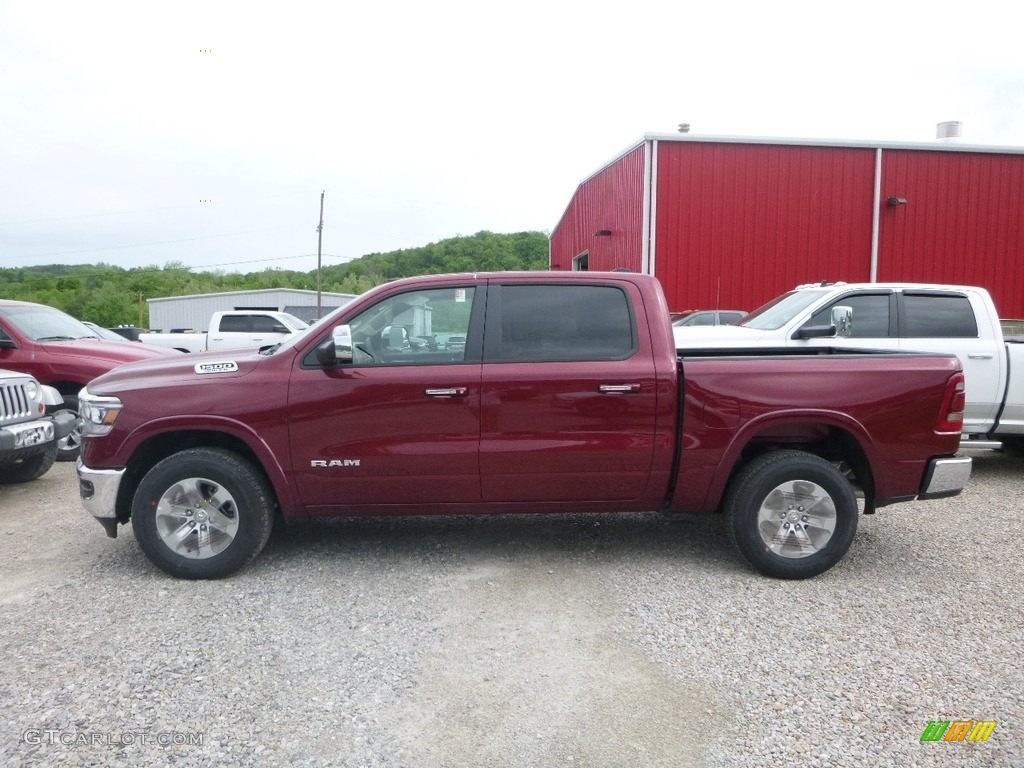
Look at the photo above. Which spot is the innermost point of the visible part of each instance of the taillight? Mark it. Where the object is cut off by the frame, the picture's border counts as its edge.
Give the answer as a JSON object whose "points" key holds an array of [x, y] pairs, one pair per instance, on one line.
{"points": [[951, 415]]}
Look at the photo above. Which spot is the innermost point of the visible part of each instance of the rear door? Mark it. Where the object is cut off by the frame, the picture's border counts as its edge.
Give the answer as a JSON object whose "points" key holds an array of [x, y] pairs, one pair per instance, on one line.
{"points": [[233, 331], [946, 322], [569, 394]]}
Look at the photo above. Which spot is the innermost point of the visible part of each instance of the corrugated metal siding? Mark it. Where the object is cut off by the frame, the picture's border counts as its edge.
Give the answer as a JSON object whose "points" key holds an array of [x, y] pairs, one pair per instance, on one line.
{"points": [[196, 310], [612, 199], [738, 224], [963, 222]]}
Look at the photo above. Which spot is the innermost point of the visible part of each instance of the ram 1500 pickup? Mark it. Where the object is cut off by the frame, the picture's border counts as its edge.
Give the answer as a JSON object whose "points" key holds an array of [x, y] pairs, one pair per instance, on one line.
{"points": [[232, 330], [567, 396], [957, 319]]}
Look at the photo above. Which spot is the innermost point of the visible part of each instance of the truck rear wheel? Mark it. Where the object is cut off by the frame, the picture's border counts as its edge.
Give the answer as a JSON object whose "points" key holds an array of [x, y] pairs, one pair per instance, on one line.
{"points": [[203, 513], [791, 514]]}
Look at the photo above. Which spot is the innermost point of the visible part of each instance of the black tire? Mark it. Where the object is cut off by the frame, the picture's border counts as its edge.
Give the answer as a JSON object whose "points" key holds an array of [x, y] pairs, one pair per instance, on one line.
{"points": [[791, 514], [23, 470], [1013, 445], [69, 446], [203, 513]]}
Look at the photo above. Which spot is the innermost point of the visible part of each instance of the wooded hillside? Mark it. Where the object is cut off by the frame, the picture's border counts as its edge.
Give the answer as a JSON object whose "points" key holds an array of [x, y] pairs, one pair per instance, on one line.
{"points": [[110, 295]]}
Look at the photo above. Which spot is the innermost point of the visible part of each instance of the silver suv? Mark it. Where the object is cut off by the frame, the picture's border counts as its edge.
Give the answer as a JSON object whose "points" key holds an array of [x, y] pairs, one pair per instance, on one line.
{"points": [[29, 430]]}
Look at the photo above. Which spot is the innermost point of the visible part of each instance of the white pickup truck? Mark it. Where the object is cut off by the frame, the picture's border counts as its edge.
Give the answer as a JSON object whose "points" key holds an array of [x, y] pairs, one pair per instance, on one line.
{"points": [[239, 329], [907, 317]]}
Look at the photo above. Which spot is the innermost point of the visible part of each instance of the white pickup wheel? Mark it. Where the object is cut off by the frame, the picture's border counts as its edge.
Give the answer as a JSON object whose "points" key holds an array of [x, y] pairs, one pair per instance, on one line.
{"points": [[791, 514], [202, 513]]}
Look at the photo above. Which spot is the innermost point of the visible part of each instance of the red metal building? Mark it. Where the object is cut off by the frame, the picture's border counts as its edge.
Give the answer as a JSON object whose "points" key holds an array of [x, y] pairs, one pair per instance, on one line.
{"points": [[730, 222]]}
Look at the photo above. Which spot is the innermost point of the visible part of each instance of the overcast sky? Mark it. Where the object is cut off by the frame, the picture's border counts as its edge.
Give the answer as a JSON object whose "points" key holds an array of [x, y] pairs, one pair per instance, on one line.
{"points": [[430, 119]]}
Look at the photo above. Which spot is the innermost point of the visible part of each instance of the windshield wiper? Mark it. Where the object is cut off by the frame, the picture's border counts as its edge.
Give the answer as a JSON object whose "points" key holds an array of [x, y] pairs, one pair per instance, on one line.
{"points": [[56, 338]]}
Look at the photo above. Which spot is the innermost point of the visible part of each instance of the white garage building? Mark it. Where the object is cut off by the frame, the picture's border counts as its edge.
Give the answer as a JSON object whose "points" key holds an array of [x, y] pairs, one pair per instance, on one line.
{"points": [[175, 313]]}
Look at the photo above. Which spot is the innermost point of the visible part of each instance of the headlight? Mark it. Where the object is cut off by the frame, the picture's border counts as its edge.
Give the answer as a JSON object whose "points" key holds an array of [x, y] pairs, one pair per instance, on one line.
{"points": [[97, 414], [32, 389]]}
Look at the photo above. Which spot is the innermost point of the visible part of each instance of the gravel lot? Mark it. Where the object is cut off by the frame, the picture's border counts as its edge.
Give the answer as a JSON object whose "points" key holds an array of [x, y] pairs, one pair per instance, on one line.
{"points": [[515, 641]]}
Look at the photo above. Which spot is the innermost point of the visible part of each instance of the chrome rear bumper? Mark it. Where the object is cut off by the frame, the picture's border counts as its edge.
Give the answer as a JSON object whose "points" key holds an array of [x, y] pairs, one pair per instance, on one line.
{"points": [[946, 477]]}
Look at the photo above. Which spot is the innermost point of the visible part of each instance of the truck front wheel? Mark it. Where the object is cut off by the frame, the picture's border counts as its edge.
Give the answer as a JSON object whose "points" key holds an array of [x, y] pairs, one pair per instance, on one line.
{"points": [[23, 470], [791, 514], [202, 513]]}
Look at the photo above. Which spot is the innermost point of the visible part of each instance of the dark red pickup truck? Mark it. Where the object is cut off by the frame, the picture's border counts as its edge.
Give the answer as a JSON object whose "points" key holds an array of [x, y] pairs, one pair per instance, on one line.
{"points": [[567, 395], [62, 353]]}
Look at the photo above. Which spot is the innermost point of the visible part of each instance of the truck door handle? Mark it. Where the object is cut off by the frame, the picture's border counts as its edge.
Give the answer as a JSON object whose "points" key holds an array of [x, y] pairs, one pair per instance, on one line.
{"points": [[447, 392], [619, 388], [980, 355]]}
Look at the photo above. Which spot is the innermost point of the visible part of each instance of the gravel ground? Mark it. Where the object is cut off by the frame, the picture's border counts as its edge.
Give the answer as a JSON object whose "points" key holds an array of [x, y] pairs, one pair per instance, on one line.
{"points": [[626, 640]]}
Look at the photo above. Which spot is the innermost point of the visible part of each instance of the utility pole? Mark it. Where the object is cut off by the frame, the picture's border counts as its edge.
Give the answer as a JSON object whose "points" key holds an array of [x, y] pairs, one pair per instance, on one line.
{"points": [[319, 246]]}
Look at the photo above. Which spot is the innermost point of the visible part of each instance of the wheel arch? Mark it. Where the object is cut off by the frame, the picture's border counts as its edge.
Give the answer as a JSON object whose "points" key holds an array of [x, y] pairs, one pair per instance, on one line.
{"points": [[157, 447], [829, 436]]}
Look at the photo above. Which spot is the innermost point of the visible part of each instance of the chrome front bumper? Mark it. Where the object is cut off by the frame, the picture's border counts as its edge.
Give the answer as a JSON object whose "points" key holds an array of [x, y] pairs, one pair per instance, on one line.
{"points": [[946, 477], [98, 488]]}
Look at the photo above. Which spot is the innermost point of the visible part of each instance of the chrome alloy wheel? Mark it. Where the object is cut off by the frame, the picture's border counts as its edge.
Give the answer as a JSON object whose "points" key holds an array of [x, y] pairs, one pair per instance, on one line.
{"points": [[796, 519], [197, 518]]}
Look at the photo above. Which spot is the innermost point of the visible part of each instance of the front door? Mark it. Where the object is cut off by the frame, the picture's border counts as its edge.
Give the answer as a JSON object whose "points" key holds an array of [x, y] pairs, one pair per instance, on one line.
{"points": [[400, 425]]}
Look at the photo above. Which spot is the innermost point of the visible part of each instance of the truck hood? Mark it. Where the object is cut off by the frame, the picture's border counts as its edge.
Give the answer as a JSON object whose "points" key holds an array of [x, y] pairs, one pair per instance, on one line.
{"points": [[715, 336], [177, 369], [115, 352]]}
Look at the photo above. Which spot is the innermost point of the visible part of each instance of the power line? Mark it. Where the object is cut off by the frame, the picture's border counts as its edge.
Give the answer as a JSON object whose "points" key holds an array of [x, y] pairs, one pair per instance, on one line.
{"points": [[146, 245]]}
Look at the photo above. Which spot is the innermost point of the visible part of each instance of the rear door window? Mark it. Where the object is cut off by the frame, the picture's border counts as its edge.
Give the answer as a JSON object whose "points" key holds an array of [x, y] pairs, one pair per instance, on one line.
{"points": [[234, 324], [938, 315], [550, 323]]}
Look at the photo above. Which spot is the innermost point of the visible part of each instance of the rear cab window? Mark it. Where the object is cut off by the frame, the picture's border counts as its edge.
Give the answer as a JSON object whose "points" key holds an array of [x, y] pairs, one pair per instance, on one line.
{"points": [[938, 315], [559, 323]]}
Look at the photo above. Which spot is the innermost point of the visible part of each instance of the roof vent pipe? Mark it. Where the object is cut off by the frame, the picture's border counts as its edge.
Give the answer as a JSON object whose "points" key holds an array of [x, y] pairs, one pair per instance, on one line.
{"points": [[951, 130]]}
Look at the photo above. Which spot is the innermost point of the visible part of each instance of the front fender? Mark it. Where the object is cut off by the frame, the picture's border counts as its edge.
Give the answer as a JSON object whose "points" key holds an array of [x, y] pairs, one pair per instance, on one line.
{"points": [[149, 433], [51, 397]]}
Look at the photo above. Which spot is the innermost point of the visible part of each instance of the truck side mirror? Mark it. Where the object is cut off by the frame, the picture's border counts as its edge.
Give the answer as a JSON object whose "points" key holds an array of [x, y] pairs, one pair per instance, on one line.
{"points": [[842, 321], [337, 350]]}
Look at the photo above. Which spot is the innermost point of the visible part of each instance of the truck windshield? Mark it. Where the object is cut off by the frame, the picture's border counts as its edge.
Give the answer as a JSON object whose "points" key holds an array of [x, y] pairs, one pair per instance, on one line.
{"points": [[779, 311], [294, 322], [41, 323]]}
